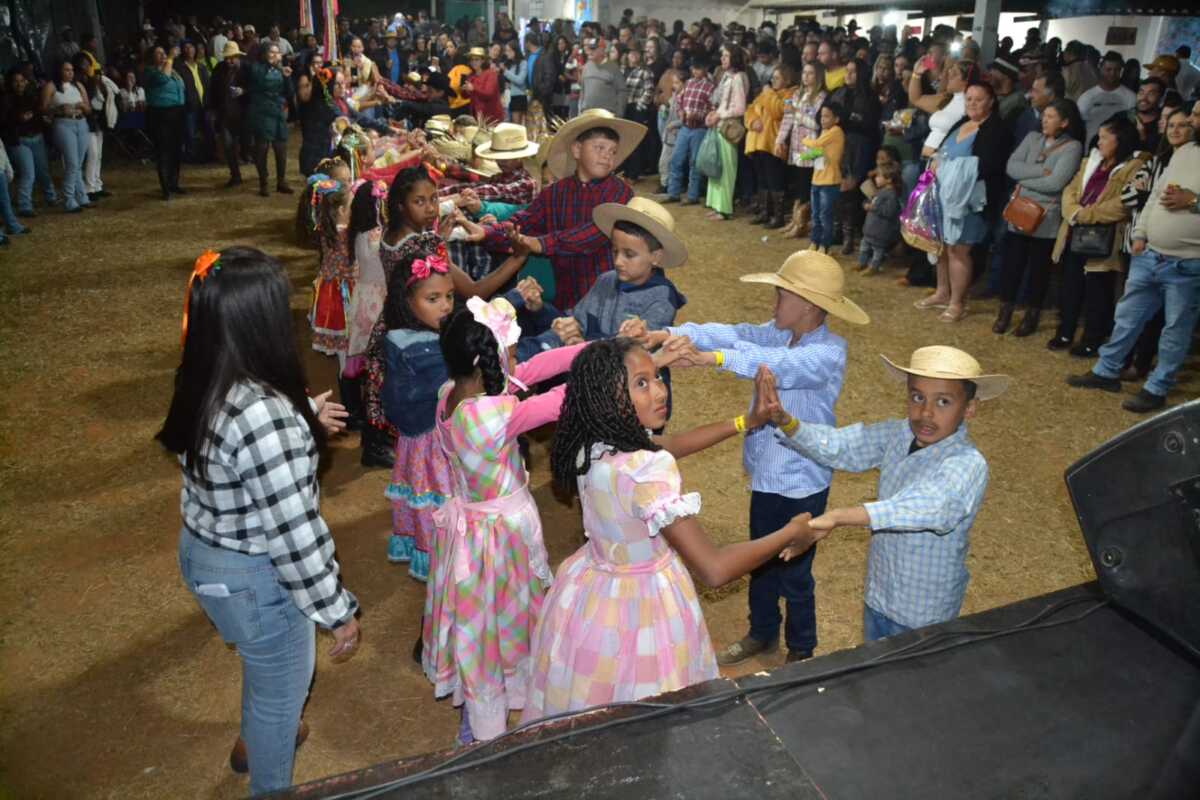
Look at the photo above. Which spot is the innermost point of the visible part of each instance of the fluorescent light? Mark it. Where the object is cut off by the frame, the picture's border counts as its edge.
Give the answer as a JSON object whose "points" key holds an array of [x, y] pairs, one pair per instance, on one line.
{"points": [[896, 18]]}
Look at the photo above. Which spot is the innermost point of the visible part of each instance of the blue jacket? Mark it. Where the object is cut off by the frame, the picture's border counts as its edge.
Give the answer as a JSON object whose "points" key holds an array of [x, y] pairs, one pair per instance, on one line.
{"points": [[414, 371]]}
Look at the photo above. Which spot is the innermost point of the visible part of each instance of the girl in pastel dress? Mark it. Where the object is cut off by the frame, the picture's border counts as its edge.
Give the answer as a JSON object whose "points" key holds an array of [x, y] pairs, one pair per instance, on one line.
{"points": [[366, 304], [489, 569], [622, 621]]}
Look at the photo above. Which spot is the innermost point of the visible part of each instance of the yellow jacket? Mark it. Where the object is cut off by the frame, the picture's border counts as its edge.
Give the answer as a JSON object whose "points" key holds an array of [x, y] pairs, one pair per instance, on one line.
{"points": [[457, 98], [832, 142], [768, 109]]}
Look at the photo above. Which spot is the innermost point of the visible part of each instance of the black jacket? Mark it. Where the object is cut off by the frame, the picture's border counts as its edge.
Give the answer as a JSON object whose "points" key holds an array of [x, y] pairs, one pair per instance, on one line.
{"points": [[191, 97], [993, 145], [227, 109]]}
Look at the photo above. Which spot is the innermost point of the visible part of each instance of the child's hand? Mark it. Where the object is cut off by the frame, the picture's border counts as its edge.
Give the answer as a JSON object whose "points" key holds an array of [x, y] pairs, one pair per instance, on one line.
{"points": [[470, 201], [633, 328], [825, 523], [531, 293], [523, 245], [766, 399], [488, 219], [658, 339], [804, 536], [475, 231], [331, 415], [756, 126], [675, 350], [567, 330], [781, 152]]}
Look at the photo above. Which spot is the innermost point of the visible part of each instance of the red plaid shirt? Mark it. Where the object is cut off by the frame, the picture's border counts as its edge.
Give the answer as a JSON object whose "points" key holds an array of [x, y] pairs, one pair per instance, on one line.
{"points": [[561, 219], [517, 187], [695, 101]]}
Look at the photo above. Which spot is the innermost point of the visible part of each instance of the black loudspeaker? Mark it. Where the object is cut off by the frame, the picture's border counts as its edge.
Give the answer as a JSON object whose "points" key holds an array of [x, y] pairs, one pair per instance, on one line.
{"points": [[1138, 502]]}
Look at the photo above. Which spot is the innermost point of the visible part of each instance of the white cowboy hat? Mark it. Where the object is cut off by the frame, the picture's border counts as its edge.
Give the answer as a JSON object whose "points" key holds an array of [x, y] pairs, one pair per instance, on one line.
{"points": [[647, 214], [630, 133], [509, 141], [948, 363], [819, 279], [231, 49], [485, 168], [439, 123]]}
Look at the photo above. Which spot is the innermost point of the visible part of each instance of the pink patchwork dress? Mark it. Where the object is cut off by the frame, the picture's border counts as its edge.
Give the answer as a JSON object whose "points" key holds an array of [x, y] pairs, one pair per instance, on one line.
{"points": [[622, 621], [488, 569]]}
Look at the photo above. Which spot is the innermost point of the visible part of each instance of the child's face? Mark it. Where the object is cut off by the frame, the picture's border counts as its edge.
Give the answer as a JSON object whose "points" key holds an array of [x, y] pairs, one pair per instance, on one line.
{"points": [[596, 157], [882, 159], [881, 180], [793, 312], [828, 119], [936, 408], [646, 389], [421, 205], [432, 299], [632, 258]]}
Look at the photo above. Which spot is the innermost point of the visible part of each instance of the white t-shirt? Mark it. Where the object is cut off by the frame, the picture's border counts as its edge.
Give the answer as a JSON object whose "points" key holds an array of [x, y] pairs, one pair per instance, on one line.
{"points": [[216, 44], [132, 97], [942, 120], [285, 47], [1097, 104]]}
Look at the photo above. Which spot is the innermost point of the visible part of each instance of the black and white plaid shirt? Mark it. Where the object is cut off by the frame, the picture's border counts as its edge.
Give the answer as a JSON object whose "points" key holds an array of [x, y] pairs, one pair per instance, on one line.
{"points": [[639, 87], [255, 491]]}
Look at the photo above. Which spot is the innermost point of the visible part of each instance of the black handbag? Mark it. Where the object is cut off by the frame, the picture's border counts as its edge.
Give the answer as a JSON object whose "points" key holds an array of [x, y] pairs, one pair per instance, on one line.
{"points": [[1093, 241]]}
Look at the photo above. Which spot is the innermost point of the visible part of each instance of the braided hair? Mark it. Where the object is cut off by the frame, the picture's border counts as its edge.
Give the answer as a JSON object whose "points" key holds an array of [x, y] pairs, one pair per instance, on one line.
{"points": [[467, 345], [397, 311], [596, 410]]}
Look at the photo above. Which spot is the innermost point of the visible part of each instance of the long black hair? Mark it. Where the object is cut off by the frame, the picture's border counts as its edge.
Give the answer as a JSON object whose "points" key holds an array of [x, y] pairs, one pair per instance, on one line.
{"points": [[239, 329], [596, 409], [403, 184], [397, 311], [467, 345], [364, 210], [1128, 141]]}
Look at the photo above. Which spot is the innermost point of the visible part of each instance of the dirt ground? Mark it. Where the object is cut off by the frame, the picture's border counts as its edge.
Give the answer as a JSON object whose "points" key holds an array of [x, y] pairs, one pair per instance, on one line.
{"points": [[114, 683]]}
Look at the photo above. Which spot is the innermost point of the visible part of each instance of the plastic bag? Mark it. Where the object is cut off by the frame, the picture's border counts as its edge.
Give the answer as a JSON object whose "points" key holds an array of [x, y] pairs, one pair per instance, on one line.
{"points": [[921, 220], [708, 160]]}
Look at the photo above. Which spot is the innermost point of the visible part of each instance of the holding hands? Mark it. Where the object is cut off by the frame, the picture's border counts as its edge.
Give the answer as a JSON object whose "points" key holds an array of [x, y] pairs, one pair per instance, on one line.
{"points": [[567, 329], [531, 293]]}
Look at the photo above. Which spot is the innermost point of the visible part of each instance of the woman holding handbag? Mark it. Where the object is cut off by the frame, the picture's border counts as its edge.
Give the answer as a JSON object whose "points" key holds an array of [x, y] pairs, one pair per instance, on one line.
{"points": [[1090, 236], [730, 102], [1042, 165]]}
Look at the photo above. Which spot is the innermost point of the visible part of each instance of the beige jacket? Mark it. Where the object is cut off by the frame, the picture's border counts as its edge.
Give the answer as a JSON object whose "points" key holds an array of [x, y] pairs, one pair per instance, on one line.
{"points": [[1107, 208]]}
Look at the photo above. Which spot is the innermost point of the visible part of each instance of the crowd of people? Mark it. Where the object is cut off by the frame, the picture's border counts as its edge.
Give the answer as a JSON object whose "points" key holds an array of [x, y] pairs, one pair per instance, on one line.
{"points": [[486, 267]]}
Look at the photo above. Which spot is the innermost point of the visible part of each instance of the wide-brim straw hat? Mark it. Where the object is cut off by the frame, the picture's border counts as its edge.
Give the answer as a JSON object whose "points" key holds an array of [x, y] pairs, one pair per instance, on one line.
{"points": [[440, 123], [951, 364], [629, 133], [485, 168], [231, 49], [647, 214], [509, 141], [819, 279], [477, 52]]}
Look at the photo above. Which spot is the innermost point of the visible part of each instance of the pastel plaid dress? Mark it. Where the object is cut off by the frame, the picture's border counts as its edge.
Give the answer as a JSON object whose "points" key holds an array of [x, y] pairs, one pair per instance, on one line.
{"points": [[488, 570], [622, 621]]}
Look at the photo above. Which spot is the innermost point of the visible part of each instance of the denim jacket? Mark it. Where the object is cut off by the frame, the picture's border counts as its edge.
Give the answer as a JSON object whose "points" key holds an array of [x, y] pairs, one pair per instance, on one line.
{"points": [[413, 371]]}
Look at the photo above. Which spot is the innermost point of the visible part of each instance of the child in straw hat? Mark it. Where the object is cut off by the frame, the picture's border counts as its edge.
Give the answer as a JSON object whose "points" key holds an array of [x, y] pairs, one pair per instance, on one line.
{"points": [[931, 484], [558, 223], [809, 362]]}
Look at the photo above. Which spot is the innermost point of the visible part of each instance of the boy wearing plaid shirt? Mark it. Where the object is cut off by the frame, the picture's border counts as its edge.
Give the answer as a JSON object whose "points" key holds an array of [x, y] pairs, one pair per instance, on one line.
{"points": [[694, 102], [931, 484]]}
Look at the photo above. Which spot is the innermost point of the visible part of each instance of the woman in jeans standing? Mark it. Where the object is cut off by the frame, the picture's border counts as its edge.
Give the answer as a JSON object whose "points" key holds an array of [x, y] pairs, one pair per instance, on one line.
{"points": [[165, 117], [254, 551], [65, 101], [24, 127]]}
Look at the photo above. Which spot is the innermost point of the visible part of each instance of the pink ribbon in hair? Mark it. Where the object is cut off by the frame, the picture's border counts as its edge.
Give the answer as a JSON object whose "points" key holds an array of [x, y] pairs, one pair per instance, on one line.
{"points": [[422, 268]]}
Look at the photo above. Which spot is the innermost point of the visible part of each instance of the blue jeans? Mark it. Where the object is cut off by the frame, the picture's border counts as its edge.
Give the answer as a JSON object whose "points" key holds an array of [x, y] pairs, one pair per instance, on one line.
{"points": [[30, 163], [995, 257], [683, 163], [7, 217], [71, 139], [877, 626], [823, 199], [1155, 282], [243, 599], [791, 580]]}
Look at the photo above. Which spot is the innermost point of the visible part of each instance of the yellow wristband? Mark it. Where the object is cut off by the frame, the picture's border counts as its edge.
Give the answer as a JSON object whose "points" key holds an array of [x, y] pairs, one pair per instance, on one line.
{"points": [[739, 423], [719, 358], [791, 426]]}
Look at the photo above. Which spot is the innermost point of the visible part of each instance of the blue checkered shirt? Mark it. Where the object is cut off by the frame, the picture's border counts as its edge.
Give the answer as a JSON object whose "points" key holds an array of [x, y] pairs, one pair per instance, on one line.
{"points": [[809, 377], [916, 564]]}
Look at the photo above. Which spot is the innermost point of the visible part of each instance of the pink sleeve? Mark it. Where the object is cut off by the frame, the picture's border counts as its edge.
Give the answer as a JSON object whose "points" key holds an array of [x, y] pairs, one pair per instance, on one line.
{"points": [[535, 412], [547, 364]]}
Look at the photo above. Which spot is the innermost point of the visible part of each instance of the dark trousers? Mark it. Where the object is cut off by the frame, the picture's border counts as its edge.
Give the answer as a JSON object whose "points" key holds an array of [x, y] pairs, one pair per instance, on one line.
{"points": [[791, 580], [799, 183], [232, 143], [639, 162], [261, 146], [1025, 254], [1087, 293], [165, 126], [851, 212], [769, 172]]}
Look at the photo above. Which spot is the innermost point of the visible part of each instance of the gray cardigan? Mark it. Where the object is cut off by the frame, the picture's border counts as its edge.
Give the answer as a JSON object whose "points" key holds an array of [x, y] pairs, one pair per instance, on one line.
{"points": [[1045, 190]]}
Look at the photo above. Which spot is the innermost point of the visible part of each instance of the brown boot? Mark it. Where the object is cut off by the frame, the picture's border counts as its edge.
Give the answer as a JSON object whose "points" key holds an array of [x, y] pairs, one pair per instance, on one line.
{"points": [[1003, 319], [789, 230], [777, 220], [802, 230], [239, 762], [1029, 322], [849, 246]]}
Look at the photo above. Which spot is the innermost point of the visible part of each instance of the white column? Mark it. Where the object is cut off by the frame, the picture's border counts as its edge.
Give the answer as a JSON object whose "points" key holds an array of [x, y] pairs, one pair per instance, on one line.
{"points": [[985, 28]]}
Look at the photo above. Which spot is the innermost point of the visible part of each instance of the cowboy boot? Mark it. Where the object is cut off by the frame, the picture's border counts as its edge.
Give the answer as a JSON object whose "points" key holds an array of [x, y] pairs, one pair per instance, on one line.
{"points": [[763, 200], [805, 224], [1003, 319], [789, 231], [848, 235], [777, 220], [1029, 322]]}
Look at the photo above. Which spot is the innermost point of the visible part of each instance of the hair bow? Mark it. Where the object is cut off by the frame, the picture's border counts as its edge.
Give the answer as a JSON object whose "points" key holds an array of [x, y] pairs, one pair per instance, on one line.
{"points": [[499, 317], [321, 188], [209, 261], [422, 268]]}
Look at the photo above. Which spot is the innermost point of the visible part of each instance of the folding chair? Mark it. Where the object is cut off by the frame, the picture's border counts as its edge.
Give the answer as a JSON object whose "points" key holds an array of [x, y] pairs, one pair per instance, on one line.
{"points": [[130, 136]]}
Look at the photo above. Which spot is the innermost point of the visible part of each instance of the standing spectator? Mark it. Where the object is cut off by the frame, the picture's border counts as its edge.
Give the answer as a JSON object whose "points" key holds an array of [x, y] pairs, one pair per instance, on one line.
{"points": [[395, 63], [1078, 72], [639, 107], [763, 120], [266, 88], [1010, 102], [729, 101], [516, 73], [67, 48], [227, 101], [1188, 78], [132, 98], [835, 73], [801, 121], [1094, 198], [195, 87], [1042, 165], [273, 37], [24, 128], [102, 114], [1165, 68], [65, 100], [1163, 273], [601, 83], [765, 61], [694, 104], [860, 123], [1147, 112], [1107, 97], [1131, 75], [216, 45], [485, 88], [165, 116]]}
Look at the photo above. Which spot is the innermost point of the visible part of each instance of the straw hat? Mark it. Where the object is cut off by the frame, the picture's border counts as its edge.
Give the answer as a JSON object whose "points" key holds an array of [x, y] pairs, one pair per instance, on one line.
{"points": [[477, 52], [231, 49], [1164, 63], [646, 214], [630, 133], [485, 168], [440, 123], [508, 141], [819, 279], [948, 363]]}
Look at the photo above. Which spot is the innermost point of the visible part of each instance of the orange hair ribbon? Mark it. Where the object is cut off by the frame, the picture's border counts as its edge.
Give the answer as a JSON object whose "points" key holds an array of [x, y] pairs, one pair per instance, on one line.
{"points": [[207, 261]]}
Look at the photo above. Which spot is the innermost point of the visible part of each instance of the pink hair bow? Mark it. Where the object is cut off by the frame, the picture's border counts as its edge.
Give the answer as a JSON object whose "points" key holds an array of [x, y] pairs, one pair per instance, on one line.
{"points": [[499, 317], [422, 268]]}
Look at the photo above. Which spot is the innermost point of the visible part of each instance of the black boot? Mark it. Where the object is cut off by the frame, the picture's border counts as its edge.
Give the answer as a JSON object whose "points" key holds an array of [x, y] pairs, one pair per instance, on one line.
{"points": [[1003, 319], [350, 391], [378, 450], [764, 209], [1029, 322], [778, 211], [848, 236]]}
